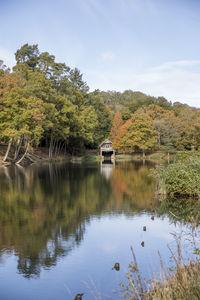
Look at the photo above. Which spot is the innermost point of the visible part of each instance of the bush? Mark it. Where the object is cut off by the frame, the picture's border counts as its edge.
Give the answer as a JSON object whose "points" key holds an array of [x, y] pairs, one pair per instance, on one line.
{"points": [[181, 178]]}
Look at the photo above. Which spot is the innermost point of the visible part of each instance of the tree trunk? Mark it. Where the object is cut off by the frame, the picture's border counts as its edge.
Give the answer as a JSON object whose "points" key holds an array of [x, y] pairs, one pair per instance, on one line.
{"points": [[143, 157], [56, 148], [50, 147], [65, 150], [8, 150], [24, 155], [59, 147], [31, 158], [62, 147], [18, 147], [159, 140], [53, 147]]}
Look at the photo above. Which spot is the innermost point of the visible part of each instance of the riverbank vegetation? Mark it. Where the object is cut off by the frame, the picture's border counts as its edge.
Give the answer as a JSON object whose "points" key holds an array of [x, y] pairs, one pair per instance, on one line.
{"points": [[182, 282], [182, 177], [47, 104], [179, 184]]}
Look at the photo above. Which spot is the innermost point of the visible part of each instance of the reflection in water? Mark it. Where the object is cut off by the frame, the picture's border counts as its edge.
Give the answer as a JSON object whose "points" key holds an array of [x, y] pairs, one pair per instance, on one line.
{"points": [[133, 186], [185, 210], [48, 210], [107, 168], [44, 209]]}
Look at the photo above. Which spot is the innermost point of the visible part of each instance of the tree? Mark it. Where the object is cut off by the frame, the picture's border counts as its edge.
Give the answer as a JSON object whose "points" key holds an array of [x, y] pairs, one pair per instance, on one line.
{"points": [[164, 123], [117, 124], [82, 130], [119, 142], [21, 113], [29, 55], [76, 78], [3, 68], [140, 133], [104, 116], [188, 128]]}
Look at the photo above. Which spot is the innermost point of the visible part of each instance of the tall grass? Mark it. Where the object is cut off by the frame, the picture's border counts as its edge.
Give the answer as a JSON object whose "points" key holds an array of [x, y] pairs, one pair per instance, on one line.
{"points": [[181, 282]]}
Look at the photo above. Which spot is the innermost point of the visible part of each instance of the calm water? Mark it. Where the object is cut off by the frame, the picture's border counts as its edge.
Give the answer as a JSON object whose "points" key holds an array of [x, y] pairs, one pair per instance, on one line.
{"points": [[64, 226]]}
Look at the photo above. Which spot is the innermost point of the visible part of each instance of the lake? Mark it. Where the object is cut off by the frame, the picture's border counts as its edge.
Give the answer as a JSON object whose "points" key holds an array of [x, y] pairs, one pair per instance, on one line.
{"points": [[64, 226]]}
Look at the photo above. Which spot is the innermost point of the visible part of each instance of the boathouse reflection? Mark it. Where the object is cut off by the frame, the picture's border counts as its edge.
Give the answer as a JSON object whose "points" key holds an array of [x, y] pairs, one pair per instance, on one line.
{"points": [[107, 168]]}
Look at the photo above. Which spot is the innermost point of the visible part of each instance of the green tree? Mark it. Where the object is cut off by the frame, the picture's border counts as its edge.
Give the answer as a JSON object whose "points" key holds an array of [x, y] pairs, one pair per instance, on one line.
{"points": [[164, 123], [77, 80], [104, 116], [21, 112], [188, 127], [140, 133], [29, 55]]}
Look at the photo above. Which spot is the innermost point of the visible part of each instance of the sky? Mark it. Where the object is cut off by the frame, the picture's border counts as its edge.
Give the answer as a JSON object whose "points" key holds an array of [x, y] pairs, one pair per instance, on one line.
{"points": [[152, 46]]}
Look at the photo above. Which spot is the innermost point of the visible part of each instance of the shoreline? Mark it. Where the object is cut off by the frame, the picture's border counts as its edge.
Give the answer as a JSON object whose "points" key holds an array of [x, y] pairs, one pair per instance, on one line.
{"points": [[40, 154]]}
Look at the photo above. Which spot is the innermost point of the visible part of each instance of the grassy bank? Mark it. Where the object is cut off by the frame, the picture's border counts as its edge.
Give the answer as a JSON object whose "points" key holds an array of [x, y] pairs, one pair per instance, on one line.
{"points": [[158, 157], [92, 156]]}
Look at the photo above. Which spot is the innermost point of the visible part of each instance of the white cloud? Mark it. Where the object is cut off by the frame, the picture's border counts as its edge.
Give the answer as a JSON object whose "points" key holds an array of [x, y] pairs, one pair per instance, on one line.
{"points": [[175, 85], [107, 56], [8, 57], [173, 80], [175, 64]]}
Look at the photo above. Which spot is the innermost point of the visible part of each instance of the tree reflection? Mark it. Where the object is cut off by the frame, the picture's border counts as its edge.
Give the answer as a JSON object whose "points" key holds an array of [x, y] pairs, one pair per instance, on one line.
{"points": [[44, 208], [180, 209], [133, 186]]}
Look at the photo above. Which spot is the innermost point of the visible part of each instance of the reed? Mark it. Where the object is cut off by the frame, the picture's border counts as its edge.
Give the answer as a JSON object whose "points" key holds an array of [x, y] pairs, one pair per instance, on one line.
{"points": [[181, 283]]}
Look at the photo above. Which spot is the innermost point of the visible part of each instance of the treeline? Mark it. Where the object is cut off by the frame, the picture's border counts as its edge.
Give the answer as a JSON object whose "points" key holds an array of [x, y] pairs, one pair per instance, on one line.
{"points": [[155, 124], [47, 103]]}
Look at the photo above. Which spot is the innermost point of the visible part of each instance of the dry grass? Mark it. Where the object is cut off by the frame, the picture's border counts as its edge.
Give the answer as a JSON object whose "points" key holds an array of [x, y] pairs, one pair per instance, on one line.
{"points": [[182, 283]]}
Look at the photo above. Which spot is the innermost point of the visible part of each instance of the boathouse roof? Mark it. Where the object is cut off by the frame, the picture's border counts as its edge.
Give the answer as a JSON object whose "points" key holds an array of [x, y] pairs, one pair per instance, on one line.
{"points": [[105, 142]]}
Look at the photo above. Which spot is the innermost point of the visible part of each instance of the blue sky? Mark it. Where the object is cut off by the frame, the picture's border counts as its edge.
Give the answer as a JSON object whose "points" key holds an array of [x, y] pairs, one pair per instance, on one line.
{"points": [[148, 45]]}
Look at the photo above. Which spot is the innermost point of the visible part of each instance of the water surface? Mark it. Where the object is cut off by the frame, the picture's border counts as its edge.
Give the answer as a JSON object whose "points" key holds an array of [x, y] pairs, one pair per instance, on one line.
{"points": [[63, 227]]}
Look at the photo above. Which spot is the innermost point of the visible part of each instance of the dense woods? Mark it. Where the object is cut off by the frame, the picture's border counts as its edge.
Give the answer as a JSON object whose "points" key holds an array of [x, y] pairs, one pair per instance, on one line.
{"points": [[46, 103]]}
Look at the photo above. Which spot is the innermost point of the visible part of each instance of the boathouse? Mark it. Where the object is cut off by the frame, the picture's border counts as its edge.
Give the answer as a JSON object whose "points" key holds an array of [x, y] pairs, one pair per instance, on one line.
{"points": [[106, 151]]}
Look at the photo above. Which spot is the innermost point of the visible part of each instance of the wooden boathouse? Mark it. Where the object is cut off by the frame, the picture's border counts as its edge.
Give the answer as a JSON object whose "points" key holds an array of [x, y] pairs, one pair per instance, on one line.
{"points": [[107, 152]]}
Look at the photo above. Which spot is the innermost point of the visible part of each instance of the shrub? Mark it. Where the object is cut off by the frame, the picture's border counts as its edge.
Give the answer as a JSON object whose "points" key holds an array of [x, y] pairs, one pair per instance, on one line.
{"points": [[181, 178]]}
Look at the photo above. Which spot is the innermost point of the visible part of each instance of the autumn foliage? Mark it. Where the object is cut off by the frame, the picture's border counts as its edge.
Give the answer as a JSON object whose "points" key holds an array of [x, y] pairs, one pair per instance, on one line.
{"points": [[116, 127], [46, 103], [152, 127]]}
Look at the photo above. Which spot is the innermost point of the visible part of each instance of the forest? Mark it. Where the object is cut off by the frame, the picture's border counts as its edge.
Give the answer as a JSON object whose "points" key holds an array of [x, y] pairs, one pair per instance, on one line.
{"points": [[45, 103]]}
